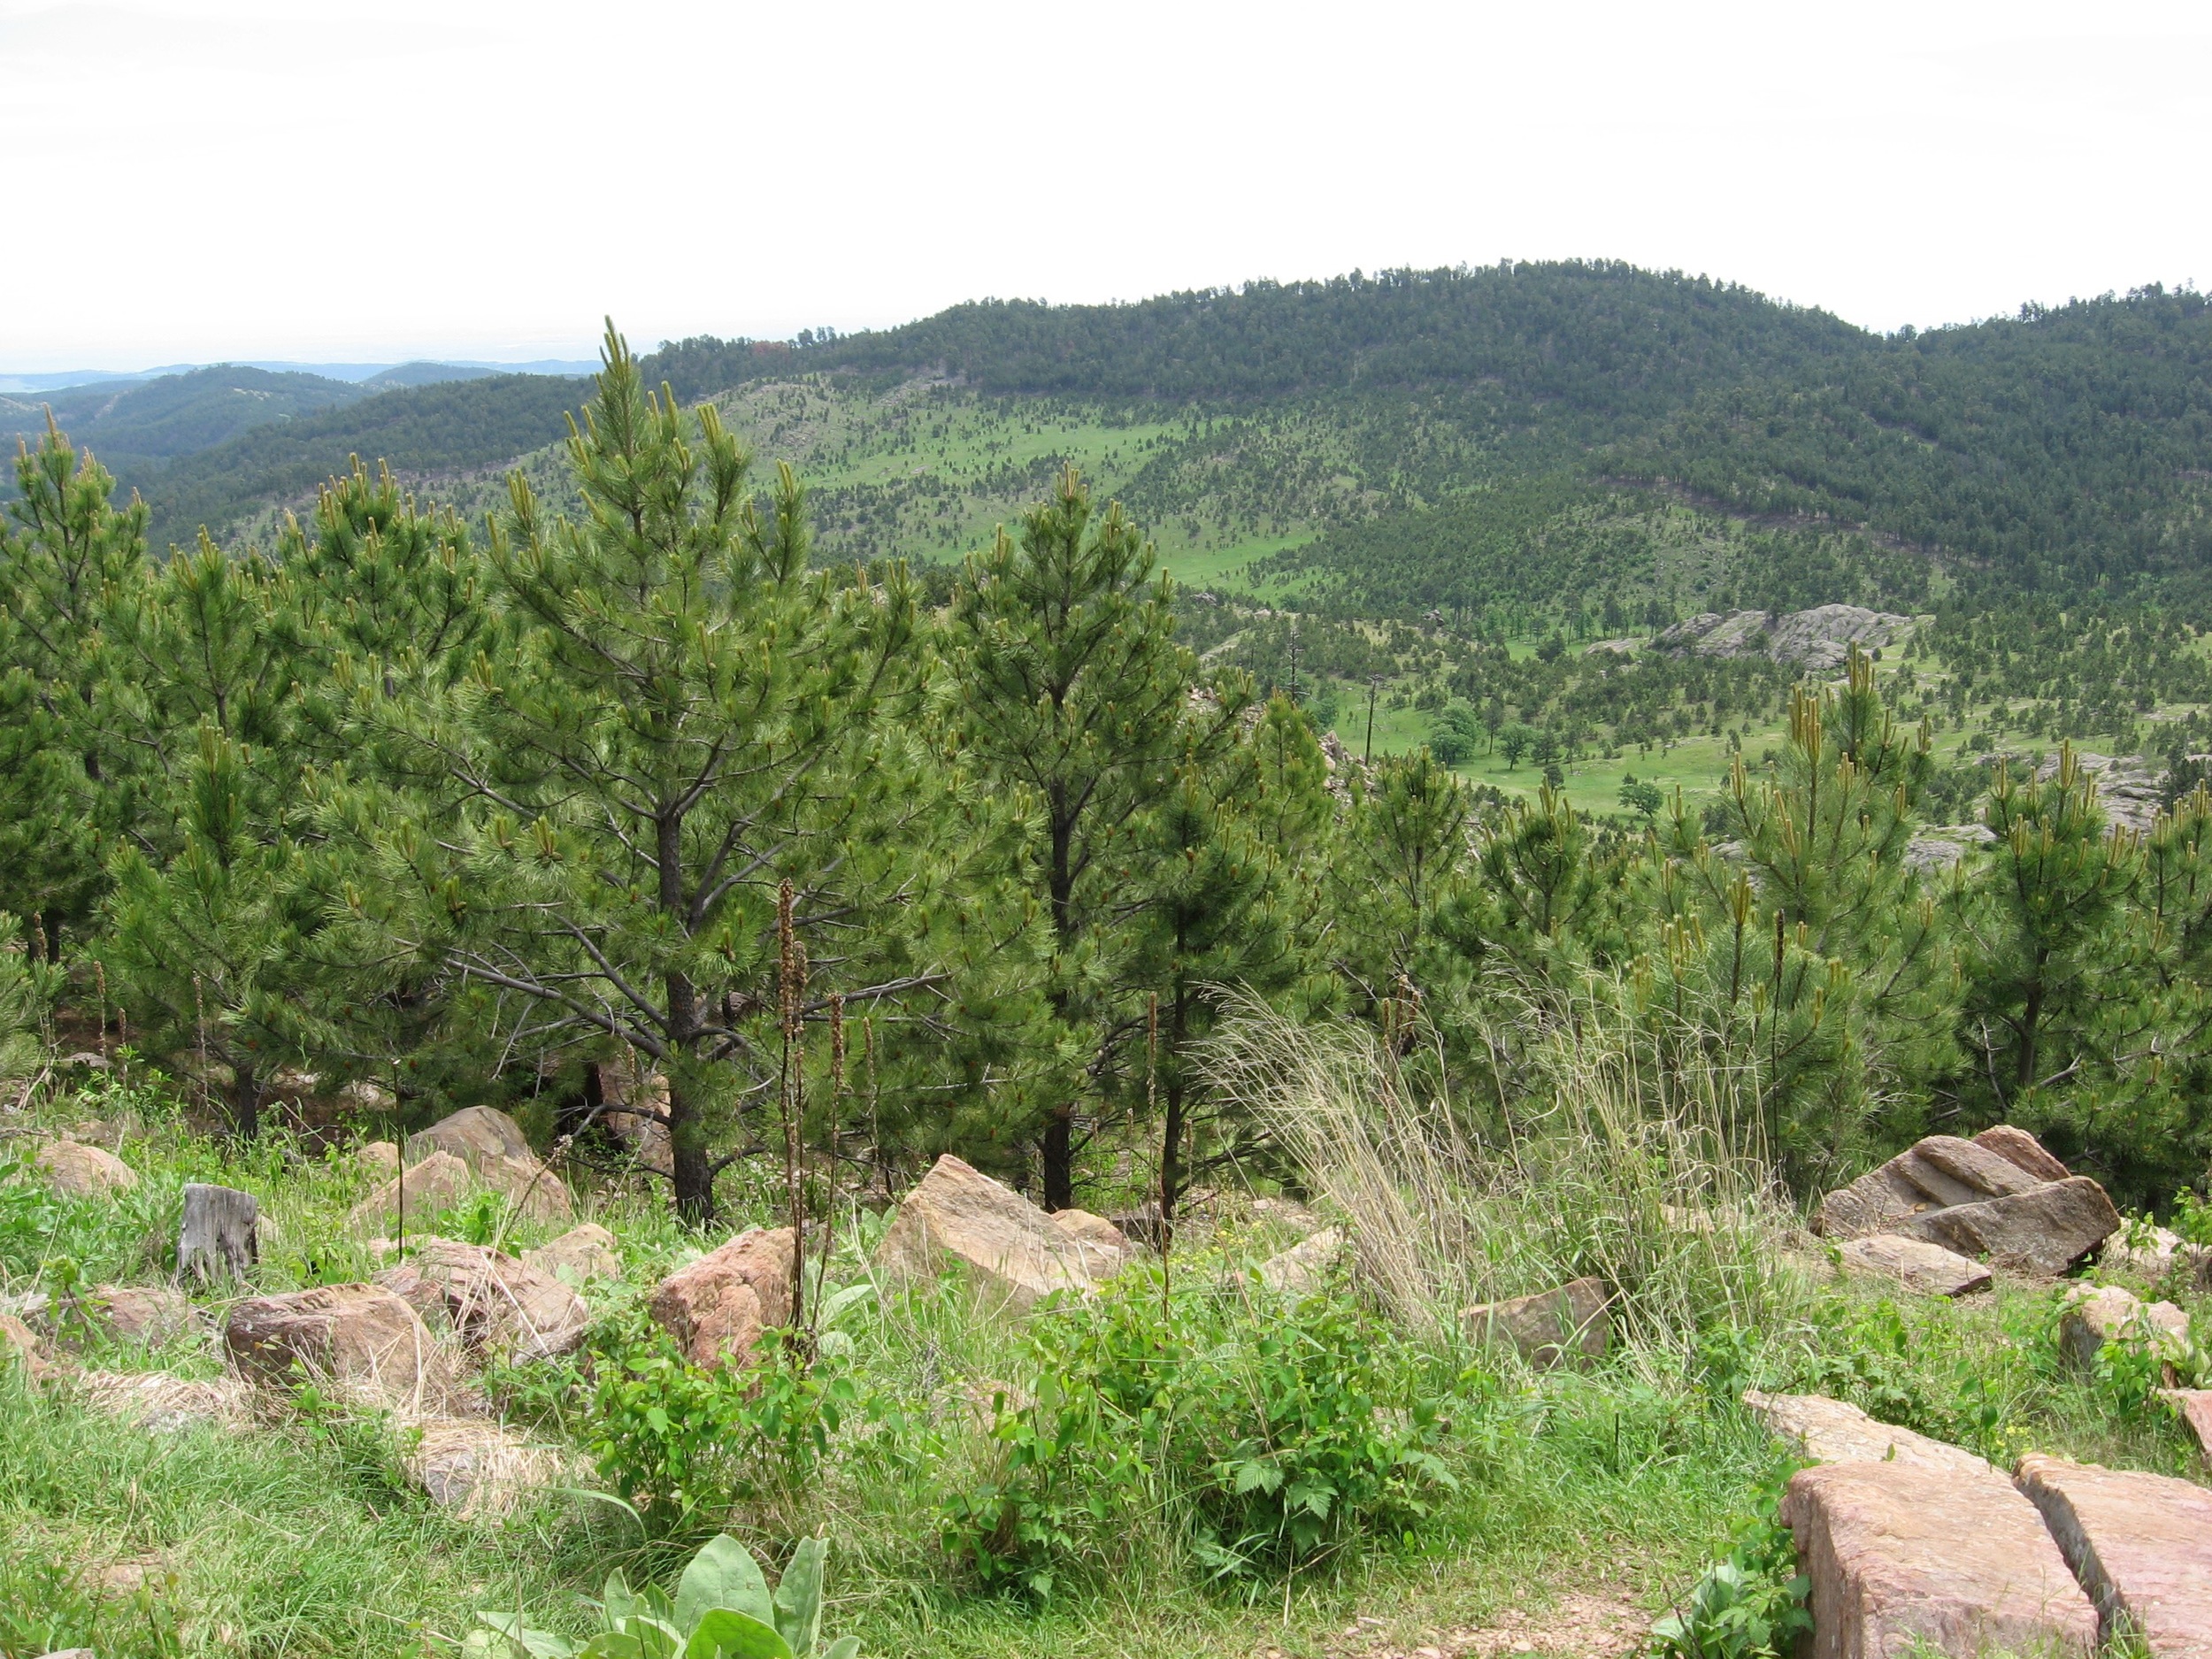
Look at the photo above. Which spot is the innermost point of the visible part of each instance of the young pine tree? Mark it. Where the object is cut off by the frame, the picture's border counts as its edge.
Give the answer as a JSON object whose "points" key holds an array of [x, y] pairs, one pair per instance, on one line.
{"points": [[688, 717], [1067, 686]]}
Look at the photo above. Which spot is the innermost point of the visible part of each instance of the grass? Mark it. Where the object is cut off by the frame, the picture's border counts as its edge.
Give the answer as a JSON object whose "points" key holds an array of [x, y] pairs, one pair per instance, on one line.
{"points": [[298, 1535]]}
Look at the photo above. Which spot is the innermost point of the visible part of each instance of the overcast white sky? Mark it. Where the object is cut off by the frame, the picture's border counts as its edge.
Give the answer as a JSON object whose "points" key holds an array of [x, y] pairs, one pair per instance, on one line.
{"points": [[194, 180]]}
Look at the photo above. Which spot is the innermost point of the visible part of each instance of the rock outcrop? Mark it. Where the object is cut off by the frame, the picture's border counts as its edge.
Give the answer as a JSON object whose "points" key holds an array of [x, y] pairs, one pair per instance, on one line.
{"points": [[958, 1218], [1835, 1432], [1924, 1269], [76, 1170], [1900, 1555], [16, 1339], [478, 1468], [2127, 789], [363, 1340], [1816, 640], [718, 1307], [1550, 1328], [498, 1306], [2195, 1407], [2140, 1545], [1107, 1246], [1995, 1197]]}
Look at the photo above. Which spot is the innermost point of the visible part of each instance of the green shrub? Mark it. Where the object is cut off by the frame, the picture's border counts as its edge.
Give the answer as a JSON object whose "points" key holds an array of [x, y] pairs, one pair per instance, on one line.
{"points": [[1750, 1604], [678, 1440], [1279, 1429]]}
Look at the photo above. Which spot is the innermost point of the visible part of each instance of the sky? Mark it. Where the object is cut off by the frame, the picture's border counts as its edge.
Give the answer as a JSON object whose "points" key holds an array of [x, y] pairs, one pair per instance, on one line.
{"points": [[203, 179]]}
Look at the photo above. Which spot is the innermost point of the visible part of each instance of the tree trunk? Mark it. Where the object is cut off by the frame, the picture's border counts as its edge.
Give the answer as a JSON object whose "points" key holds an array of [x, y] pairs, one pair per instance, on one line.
{"points": [[245, 1101], [220, 1233], [1059, 1158]]}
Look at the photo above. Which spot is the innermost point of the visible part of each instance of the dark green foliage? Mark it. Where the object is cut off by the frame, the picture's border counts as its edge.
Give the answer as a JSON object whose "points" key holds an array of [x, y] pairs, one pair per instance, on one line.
{"points": [[439, 429]]}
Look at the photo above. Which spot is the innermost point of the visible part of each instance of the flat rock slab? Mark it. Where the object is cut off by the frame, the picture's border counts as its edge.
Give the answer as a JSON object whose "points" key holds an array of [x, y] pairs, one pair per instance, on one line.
{"points": [[1924, 1269], [1836, 1431], [718, 1307], [164, 1404], [1551, 1327], [2043, 1231], [1901, 1555], [2141, 1545], [2195, 1406], [958, 1217]]}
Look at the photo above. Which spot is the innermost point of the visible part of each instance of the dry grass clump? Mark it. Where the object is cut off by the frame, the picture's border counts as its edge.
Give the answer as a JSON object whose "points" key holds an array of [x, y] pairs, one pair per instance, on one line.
{"points": [[1646, 1176]]}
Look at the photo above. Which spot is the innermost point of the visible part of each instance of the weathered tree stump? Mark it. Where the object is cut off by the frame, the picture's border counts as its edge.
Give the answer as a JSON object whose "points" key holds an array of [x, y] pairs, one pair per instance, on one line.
{"points": [[218, 1236]]}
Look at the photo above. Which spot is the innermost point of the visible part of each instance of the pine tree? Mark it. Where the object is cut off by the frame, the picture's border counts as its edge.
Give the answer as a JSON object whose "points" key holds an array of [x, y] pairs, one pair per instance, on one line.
{"points": [[1067, 685], [205, 939], [63, 771], [688, 716]]}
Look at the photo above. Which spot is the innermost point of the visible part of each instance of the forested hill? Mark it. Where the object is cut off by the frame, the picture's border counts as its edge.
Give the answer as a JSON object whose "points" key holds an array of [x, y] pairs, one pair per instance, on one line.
{"points": [[1604, 336], [2061, 451], [2064, 448], [144, 422], [448, 427]]}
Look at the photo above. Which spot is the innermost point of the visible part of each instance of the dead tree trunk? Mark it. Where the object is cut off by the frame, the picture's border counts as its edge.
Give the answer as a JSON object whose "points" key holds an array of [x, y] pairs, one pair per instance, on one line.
{"points": [[216, 1238]]}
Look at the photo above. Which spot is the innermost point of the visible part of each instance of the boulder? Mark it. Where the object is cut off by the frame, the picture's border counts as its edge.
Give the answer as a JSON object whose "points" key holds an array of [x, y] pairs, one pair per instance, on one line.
{"points": [[1927, 1270], [1304, 1267], [1105, 1240], [478, 1468], [2016, 1146], [380, 1158], [74, 1169], [2041, 1233], [1903, 1557], [1835, 1432], [718, 1307], [164, 1404], [2097, 1314], [1549, 1328], [475, 1134], [416, 1197], [578, 1255], [363, 1339], [2141, 1545], [2194, 1406], [144, 1316], [1935, 1174], [16, 1339], [956, 1215], [2155, 1252], [219, 1235], [498, 1154], [497, 1306]]}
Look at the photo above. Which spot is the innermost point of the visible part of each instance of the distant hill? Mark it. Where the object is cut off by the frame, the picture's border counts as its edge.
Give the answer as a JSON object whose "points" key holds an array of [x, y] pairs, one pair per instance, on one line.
{"points": [[448, 427], [1396, 441], [141, 423], [1603, 335]]}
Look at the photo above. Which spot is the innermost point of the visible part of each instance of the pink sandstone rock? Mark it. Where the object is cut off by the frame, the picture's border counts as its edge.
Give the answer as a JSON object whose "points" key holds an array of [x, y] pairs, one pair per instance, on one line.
{"points": [[2141, 1545], [1900, 1555]]}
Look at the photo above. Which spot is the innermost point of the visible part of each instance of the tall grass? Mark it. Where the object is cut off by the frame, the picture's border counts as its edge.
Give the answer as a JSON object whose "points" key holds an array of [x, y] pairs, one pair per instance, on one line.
{"points": [[1634, 1162]]}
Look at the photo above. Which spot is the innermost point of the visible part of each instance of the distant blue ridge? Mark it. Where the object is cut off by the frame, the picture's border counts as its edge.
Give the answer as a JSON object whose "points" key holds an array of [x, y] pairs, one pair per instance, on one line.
{"points": [[420, 372]]}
